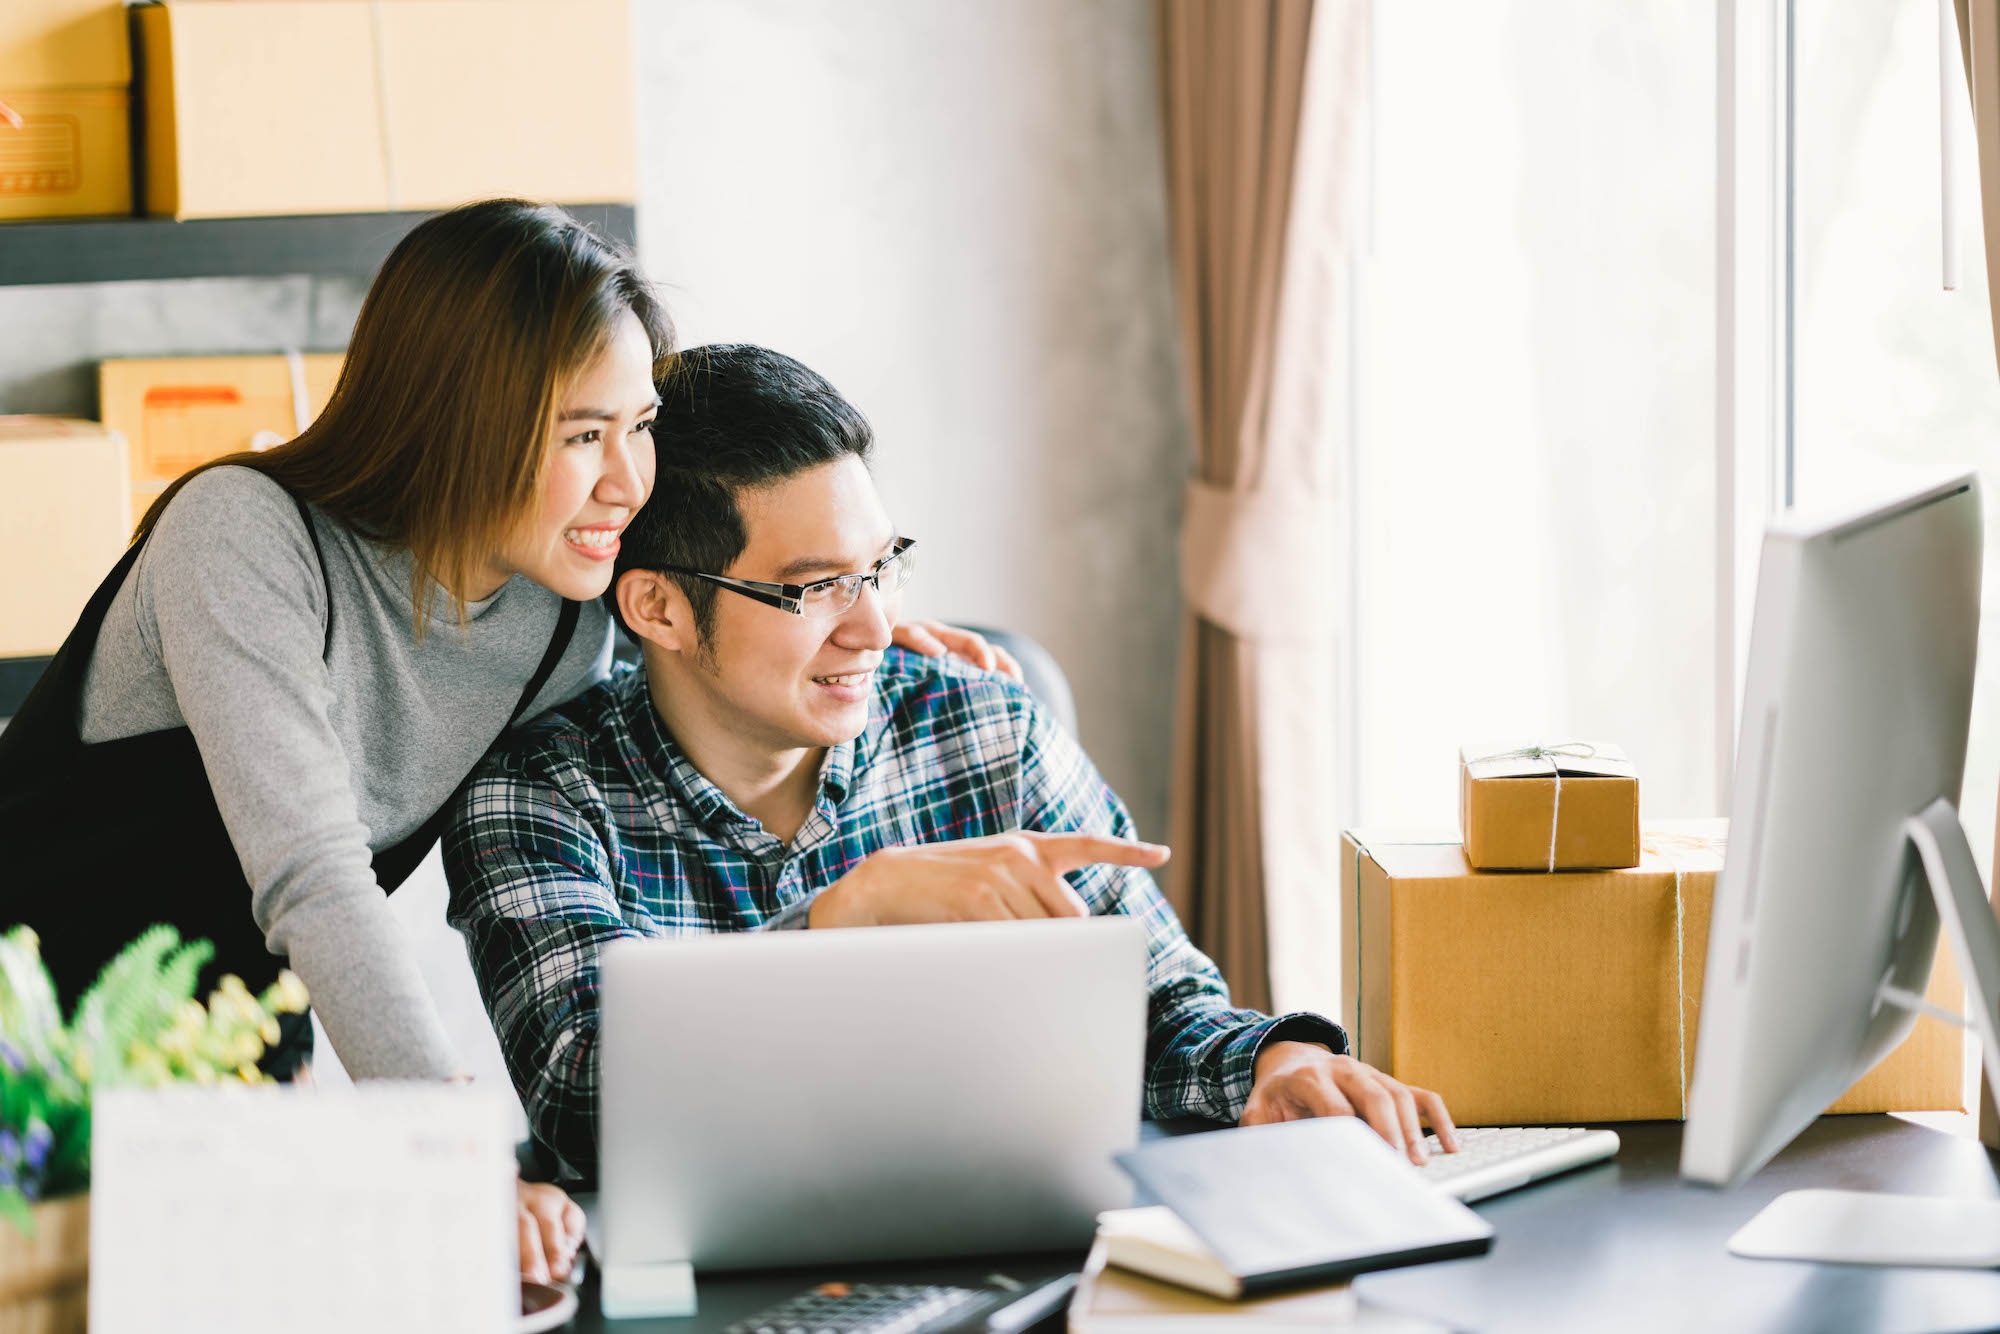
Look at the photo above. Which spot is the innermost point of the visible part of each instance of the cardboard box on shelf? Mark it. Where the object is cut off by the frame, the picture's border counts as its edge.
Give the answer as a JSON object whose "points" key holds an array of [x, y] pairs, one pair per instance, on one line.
{"points": [[1553, 998], [65, 517], [63, 44], [1561, 807], [180, 412], [413, 105], [71, 156]]}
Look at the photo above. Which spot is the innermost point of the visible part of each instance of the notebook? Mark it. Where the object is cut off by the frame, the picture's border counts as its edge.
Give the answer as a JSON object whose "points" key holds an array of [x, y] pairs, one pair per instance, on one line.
{"points": [[1110, 1300], [1288, 1205]]}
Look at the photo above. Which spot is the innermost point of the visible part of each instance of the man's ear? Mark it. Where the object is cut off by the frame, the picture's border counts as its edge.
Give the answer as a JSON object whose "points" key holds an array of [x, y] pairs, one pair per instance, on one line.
{"points": [[656, 609]]}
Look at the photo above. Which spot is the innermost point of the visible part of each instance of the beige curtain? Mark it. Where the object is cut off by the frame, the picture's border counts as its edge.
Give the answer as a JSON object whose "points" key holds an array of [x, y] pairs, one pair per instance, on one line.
{"points": [[1979, 44], [1262, 106]]}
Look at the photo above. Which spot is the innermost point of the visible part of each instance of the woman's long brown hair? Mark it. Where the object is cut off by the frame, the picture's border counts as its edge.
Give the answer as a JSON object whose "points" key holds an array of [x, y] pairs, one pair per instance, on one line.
{"points": [[435, 438]]}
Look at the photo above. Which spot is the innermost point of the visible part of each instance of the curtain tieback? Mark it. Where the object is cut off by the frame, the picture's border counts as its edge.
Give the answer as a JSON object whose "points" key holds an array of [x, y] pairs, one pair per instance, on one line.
{"points": [[1257, 563]]}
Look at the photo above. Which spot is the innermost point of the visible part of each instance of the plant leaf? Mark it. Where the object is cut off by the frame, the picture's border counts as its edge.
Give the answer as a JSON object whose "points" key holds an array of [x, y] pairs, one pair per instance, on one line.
{"points": [[134, 999]]}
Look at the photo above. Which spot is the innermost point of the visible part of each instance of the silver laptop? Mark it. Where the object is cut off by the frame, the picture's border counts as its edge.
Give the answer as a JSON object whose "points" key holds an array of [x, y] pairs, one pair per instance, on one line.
{"points": [[878, 1093]]}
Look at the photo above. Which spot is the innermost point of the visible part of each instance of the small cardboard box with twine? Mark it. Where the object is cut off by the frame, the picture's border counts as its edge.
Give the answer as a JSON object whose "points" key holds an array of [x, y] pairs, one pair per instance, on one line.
{"points": [[1565, 997], [1569, 806]]}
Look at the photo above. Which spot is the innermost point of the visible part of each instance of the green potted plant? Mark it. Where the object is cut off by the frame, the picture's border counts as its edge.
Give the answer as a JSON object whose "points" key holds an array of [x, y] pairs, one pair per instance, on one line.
{"points": [[138, 1025]]}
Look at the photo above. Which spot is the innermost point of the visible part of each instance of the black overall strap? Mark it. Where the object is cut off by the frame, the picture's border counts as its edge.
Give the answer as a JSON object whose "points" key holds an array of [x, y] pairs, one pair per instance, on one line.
{"points": [[558, 645], [46, 723], [393, 865], [103, 840]]}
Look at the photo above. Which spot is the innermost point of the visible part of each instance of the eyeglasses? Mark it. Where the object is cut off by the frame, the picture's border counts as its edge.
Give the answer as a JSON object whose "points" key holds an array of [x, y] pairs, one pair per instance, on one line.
{"points": [[827, 597]]}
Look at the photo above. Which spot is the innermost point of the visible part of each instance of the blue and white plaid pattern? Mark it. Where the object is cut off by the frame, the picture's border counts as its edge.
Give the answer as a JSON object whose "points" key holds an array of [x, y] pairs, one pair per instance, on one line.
{"points": [[591, 825]]}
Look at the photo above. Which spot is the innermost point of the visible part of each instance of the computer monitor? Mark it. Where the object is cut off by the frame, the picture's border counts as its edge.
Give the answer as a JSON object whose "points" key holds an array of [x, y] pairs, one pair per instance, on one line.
{"points": [[1845, 850]]}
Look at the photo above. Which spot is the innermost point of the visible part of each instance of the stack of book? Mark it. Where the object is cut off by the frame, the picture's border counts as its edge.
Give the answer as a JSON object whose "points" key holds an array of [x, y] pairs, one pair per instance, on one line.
{"points": [[1262, 1228]]}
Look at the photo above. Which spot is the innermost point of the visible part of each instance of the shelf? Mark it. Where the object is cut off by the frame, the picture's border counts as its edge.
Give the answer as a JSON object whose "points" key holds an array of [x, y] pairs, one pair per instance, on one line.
{"points": [[17, 678], [113, 250]]}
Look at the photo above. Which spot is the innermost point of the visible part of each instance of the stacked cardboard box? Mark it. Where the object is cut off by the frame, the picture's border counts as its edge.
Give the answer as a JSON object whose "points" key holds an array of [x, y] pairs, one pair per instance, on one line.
{"points": [[256, 107], [70, 490], [65, 133], [181, 412], [65, 515], [1539, 998]]}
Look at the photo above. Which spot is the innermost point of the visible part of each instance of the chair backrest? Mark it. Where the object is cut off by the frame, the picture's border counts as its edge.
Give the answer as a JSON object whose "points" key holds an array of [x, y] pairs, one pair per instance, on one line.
{"points": [[1045, 678]]}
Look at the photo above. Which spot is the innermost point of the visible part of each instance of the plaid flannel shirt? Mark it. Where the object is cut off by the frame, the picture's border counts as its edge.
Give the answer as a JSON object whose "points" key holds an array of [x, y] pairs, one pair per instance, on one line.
{"points": [[591, 824]]}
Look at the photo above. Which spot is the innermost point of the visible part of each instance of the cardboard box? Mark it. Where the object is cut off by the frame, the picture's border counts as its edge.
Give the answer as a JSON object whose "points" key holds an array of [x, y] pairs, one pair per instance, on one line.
{"points": [[1566, 807], [259, 107], [1557, 998], [70, 158], [180, 412], [65, 517], [63, 44]]}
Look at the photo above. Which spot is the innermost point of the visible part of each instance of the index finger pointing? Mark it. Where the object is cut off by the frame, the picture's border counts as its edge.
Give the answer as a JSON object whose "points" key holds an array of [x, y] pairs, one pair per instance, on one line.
{"points": [[1070, 852]]}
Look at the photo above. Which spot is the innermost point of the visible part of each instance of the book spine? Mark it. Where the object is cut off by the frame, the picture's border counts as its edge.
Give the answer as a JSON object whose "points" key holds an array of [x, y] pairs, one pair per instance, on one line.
{"points": [[1306, 1276]]}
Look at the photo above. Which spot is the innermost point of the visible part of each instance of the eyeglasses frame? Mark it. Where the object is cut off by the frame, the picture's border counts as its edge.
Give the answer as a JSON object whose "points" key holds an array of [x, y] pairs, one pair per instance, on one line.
{"points": [[791, 597]]}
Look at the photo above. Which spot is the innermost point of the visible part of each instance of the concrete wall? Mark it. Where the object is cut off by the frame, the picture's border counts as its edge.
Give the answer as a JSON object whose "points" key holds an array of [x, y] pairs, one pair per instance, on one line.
{"points": [[956, 213]]}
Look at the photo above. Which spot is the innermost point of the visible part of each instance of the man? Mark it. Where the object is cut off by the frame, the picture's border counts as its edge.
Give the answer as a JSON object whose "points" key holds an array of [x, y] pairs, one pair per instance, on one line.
{"points": [[775, 764]]}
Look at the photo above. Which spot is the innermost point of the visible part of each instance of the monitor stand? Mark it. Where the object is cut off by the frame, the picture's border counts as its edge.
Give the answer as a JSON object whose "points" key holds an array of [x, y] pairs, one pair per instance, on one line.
{"points": [[1860, 1227]]}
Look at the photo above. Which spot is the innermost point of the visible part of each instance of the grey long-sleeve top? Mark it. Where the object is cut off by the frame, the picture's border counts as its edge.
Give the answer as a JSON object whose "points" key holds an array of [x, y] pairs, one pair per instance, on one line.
{"points": [[317, 762]]}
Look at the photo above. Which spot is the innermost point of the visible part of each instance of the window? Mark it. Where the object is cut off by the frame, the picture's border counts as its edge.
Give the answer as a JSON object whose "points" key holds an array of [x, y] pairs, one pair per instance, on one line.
{"points": [[1891, 372], [1604, 326], [1531, 491]]}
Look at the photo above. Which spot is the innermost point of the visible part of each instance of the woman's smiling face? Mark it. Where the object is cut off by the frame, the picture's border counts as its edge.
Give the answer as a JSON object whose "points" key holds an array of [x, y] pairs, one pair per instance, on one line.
{"points": [[599, 472]]}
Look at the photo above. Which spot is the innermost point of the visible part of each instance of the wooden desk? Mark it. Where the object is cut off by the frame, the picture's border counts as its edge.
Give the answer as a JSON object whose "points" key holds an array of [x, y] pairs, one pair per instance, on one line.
{"points": [[1623, 1245]]}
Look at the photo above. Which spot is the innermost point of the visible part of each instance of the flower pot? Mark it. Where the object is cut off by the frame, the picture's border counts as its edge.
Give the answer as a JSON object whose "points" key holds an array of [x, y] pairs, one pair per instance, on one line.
{"points": [[44, 1279]]}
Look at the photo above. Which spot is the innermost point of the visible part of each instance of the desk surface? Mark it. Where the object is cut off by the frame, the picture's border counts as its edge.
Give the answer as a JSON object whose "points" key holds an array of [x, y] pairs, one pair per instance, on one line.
{"points": [[1623, 1245]]}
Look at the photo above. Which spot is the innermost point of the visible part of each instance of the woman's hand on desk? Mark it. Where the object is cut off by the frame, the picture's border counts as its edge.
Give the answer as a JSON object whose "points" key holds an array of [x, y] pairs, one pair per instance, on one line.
{"points": [[551, 1228], [1295, 1081]]}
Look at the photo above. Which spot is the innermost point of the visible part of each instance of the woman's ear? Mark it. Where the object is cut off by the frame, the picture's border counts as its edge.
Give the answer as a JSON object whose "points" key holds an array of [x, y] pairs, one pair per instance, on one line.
{"points": [[656, 610]]}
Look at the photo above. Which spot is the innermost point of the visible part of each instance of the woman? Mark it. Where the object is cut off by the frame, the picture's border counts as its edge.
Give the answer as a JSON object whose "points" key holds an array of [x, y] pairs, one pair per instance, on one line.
{"points": [[256, 725]]}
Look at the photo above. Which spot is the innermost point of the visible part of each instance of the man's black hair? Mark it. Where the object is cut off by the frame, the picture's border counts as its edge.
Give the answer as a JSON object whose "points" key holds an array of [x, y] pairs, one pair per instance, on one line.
{"points": [[733, 417]]}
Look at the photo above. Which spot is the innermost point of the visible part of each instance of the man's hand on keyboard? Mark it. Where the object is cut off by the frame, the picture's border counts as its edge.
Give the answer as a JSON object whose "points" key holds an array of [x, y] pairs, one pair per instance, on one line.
{"points": [[1295, 1081]]}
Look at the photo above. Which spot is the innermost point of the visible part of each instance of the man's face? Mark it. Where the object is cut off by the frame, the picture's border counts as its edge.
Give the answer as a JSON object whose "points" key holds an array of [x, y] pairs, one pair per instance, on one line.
{"points": [[796, 682]]}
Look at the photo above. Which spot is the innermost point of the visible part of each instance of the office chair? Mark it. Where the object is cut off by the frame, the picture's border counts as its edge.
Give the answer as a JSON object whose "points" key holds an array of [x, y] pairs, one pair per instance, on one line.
{"points": [[1044, 675]]}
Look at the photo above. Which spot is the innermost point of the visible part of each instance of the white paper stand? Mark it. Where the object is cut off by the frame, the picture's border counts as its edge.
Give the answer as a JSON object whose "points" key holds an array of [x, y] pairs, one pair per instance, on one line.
{"points": [[246, 1210]]}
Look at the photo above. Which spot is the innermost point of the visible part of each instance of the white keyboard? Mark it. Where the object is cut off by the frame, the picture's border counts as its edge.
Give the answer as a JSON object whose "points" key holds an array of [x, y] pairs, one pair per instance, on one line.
{"points": [[1491, 1159]]}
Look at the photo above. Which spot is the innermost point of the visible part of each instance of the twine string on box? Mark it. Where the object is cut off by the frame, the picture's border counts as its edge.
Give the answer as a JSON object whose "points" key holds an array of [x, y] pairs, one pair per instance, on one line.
{"points": [[295, 370], [1680, 992], [1667, 845], [1553, 756]]}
